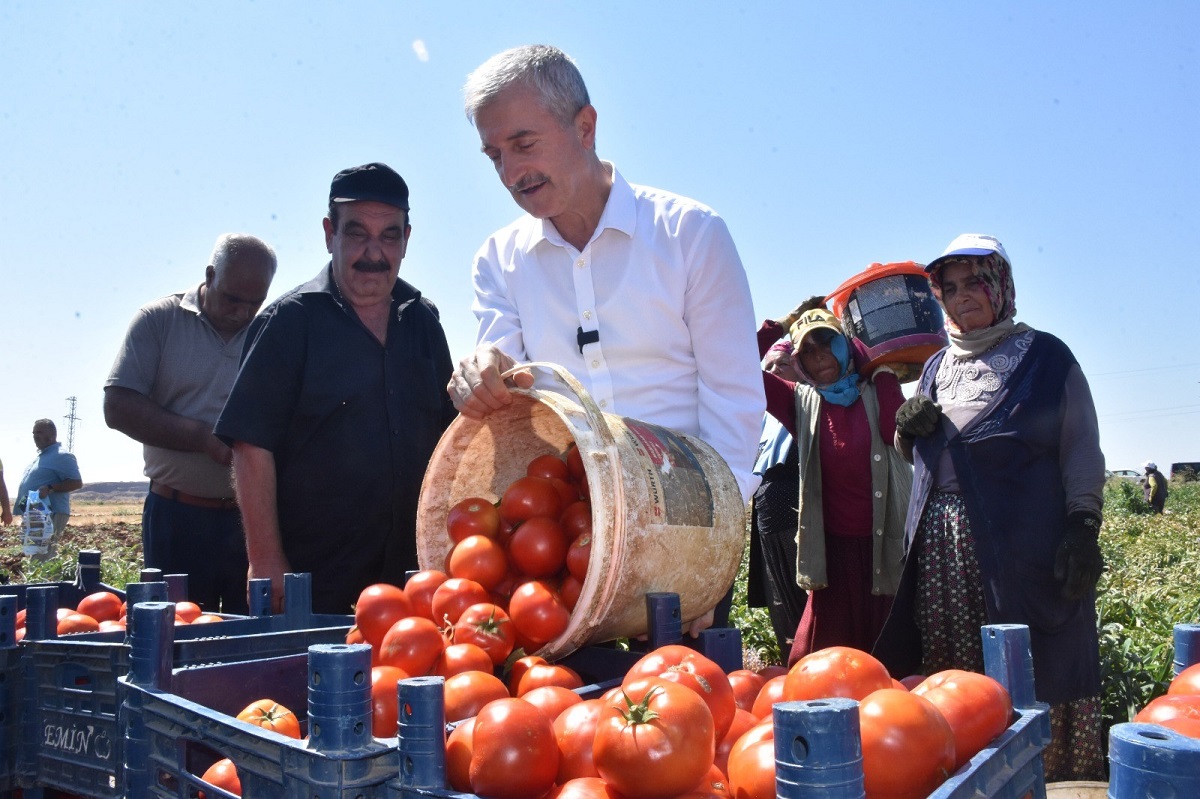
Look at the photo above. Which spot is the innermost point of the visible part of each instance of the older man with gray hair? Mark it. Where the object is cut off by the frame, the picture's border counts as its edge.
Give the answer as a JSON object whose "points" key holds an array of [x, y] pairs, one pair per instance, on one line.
{"points": [[166, 389]]}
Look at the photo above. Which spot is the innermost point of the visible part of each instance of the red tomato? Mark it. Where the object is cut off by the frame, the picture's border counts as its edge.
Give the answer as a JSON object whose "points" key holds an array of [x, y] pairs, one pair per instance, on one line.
{"points": [[569, 591], [907, 747], [110, 626], [743, 722], [515, 755], [459, 745], [912, 681], [774, 670], [203, 618], [489, 628], [478, 558], [541, 674], [746, 684], [835, 671], [271, 715], [772, 692], [575, 464], [419, 590], [454, 596], [384, 704], [518, 668], [679, 664], [752, 763], [657, 741], [552, 699], [528, 497], [576, 520], [538, 548], [223, 774], [575, 732], [466, 693], [413, 645], [976, 707], [188, 611], [584, 788], [72, 622], [457, 658], [1179, 712], [713, 785], [101, 606], [579, 554], [537, 612], [547, 466], [1186, 681], [379, 606], [473, 516]]}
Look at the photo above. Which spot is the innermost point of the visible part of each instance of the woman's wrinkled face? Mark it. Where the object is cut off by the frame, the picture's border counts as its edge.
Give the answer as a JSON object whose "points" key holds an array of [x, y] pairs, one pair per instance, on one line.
{"points": [[965, 298], [818, 359], [779, 362]]}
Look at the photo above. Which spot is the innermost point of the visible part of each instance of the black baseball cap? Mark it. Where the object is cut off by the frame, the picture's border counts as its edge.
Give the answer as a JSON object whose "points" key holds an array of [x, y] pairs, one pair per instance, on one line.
{"points": [[377, 182]]}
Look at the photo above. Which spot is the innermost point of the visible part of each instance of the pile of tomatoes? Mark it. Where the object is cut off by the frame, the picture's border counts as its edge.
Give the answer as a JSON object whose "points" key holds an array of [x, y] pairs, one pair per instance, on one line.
{"points": [[1179, 708], [265, 713], [104, 611]]}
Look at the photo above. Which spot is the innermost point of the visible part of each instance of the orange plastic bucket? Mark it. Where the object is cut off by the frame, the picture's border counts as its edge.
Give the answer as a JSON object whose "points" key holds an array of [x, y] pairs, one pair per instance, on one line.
{"points": [[667, 514]]}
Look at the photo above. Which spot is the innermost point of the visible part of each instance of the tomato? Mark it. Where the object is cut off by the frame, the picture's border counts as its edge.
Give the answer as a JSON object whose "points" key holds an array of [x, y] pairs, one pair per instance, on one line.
{"points": [[384, 704], [552, 699], [459, 744], [457, 658], [547, 466], [203, 618], [772, 692], [538, 548], [528, 497], [270, 715], [907, 747], [743, 722], [575, 732], [575, 464], [489, 628], [516, 670], [478, 558], [188, 611], [576, 520], [584, 788], [101, 606], [1179, 712], [679, 664], [540, 674], [976, 707], [578, 556], [467, 693], [473, 516], [657, 741], [379, 606], [713, 785], [454, 596], [223, 774], [912, 681], [537, 612], [569, 591], [413, 644], [1186, 681], [111, 626], [774, 670], [515, 756], [752, 763], [72, 622], [419, 589], [746, 684], [835, 671]]}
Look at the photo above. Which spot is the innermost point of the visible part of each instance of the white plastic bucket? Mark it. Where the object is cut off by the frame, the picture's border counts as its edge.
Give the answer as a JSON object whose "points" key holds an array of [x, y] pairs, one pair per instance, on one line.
{"points": [[667, 514]]}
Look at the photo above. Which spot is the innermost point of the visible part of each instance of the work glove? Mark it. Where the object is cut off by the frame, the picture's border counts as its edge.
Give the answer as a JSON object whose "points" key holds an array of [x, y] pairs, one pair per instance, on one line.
{"points": [[918, 416], [816, 301], [1078, 562]]}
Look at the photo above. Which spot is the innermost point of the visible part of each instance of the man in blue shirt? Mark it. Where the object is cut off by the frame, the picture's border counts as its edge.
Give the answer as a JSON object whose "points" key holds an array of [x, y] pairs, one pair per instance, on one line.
{"points": [[53, 475]]}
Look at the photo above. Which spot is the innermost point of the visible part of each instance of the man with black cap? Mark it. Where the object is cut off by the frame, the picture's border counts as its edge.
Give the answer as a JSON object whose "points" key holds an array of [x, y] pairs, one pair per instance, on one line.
{"points": [[338, 406]]}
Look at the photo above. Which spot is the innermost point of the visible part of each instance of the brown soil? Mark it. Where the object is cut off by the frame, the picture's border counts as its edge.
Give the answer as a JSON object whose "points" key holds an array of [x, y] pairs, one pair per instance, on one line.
{"points": [[114, 529]]}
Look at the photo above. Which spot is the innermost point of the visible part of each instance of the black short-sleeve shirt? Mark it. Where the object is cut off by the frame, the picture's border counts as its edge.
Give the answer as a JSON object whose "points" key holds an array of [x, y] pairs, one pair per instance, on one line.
{"points": [[351, 423]]}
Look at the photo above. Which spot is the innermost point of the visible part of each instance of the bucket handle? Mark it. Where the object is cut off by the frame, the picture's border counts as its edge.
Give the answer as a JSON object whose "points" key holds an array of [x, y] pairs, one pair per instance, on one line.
{"points": [[594, 415]]}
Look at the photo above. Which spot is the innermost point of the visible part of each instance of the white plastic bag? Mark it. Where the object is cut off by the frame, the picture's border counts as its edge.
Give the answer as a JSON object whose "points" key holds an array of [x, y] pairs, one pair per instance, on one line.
{"points": [[37, 525]]}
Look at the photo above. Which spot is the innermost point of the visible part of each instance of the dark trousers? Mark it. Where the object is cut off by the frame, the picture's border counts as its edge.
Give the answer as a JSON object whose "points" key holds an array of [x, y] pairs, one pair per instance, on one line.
{"points": [[206, 544]]}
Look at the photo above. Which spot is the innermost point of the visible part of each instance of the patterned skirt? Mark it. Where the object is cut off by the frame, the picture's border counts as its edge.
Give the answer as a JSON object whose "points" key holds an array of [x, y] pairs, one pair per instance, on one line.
{"points": [[951, 609]]}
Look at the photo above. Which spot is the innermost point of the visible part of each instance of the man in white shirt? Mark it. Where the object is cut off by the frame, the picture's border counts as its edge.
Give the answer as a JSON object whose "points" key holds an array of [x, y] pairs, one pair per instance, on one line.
{"points": [[639, 293]]}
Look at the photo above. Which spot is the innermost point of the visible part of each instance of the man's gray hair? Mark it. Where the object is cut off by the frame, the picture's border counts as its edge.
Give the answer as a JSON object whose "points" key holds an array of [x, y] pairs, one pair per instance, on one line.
{"points": [[547, 69], [230, 245]]}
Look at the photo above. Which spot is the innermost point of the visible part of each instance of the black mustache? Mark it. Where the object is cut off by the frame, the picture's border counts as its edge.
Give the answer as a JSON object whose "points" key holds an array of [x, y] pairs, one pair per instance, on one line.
{"points": [[526, 182], [363, 265]]}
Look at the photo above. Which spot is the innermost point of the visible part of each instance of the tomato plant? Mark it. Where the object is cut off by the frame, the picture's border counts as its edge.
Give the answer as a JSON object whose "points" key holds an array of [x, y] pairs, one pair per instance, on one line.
{"points": [[466, 693], [472, 516], [101, 606], [478, 558], [976, 707], [679, 664], [379, 606], [384, 704], [907, 747], [454, 596], [575, 732], [538, 548], [656, 741], [527, 497], [538, 613], [489, 628], [271, 715], [515, 756], [413, 645], [223, 774], [835, 671]]}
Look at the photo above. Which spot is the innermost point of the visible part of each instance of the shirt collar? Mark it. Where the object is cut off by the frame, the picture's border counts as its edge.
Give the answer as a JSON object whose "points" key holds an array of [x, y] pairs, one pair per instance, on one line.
{"points": [[191, 300], [620, 213]]}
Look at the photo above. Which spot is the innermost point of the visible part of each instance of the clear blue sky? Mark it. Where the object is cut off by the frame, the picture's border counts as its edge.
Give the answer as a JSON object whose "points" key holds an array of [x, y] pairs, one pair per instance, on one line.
{"points": [[828, 135]]}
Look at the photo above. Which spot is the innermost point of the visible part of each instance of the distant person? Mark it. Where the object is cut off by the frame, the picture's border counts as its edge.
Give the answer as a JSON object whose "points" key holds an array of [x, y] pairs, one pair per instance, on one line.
{"points": [[637, 292], [1007, 493], [6, 516], [1154, 486], [53, 474], [166, 389], [338, 405]]}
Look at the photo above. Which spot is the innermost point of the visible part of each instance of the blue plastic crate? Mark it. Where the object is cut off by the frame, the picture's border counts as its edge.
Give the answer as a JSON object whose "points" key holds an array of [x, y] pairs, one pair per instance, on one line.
{"points": [[10, 693], [71, 737], [178, 721]]}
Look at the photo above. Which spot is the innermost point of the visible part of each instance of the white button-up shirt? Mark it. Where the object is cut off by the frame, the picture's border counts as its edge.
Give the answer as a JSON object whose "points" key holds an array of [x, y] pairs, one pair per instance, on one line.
{"points": [[662, 283]]}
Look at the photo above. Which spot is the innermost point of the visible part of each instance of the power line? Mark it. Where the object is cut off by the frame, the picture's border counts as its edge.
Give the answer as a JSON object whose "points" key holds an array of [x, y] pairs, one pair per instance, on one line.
{"points": [[71, 420]]}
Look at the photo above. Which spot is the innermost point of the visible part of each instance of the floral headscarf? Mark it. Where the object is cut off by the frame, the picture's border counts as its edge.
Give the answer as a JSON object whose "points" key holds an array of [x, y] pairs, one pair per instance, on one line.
{"points": [[996, 276]]}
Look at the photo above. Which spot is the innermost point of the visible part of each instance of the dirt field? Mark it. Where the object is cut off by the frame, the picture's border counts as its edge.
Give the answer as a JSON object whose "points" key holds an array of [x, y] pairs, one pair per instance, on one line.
{"points": [[114, 528]]}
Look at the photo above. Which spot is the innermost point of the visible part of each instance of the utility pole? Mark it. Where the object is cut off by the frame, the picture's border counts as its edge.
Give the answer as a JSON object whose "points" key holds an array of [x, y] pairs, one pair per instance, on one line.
{"points": [[71, 420]]}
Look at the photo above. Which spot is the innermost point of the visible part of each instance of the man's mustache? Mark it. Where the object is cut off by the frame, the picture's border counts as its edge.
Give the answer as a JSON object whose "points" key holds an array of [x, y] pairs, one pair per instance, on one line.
{"points": [[527, 182], [363, 265]]}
